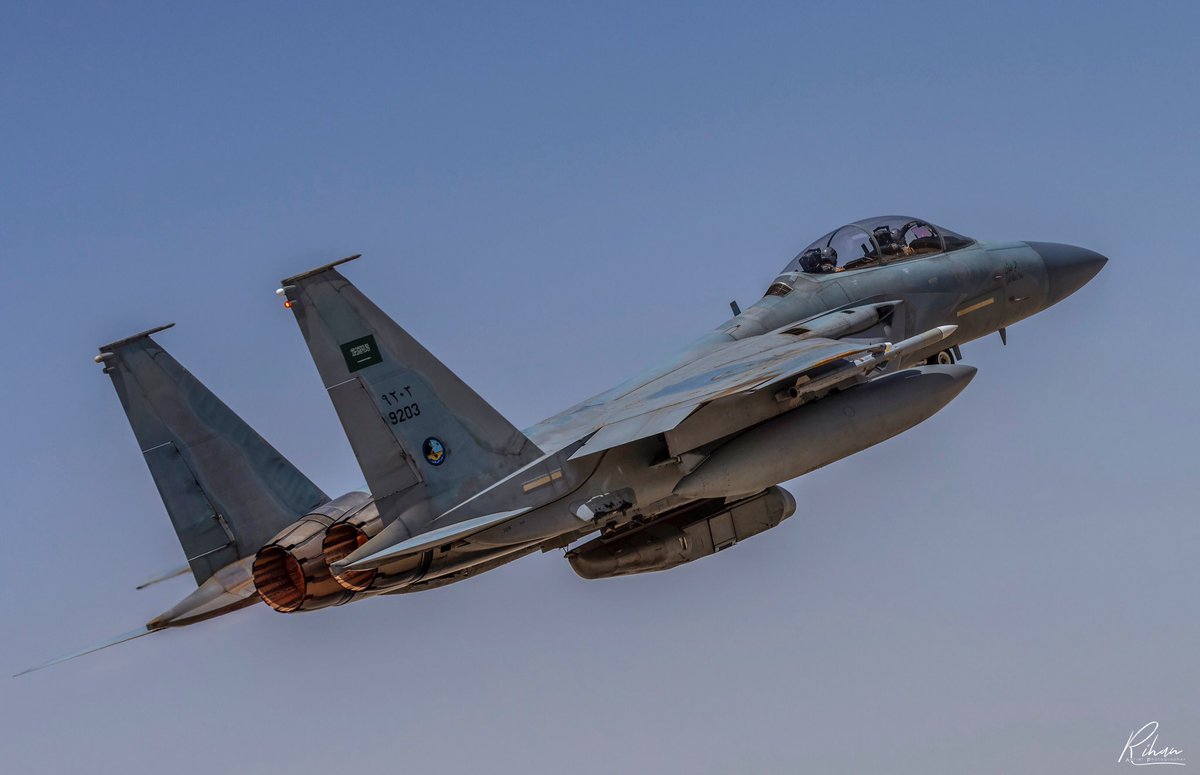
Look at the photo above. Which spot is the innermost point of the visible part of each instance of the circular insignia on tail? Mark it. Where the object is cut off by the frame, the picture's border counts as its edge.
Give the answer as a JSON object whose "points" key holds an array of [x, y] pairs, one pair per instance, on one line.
{"points": [[434, 451]]}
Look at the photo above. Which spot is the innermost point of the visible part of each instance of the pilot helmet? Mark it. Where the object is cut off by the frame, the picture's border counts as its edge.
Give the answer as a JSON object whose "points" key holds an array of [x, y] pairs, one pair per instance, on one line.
{"points": [[885, 236], [810, 260], [816, 260]]}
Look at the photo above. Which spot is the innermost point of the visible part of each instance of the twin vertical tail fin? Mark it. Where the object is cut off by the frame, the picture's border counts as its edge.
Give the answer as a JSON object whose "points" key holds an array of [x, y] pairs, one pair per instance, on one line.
{"points": [[420, 434], [227, 491]]}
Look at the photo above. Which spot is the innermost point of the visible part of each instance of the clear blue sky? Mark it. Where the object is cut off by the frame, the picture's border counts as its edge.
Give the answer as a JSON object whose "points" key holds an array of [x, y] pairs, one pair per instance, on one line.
{"points": [[551, 197]]}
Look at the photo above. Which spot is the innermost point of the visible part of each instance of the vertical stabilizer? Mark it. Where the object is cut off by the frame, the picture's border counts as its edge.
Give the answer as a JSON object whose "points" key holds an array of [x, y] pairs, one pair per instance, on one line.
{"points": [[227, 491], [410, 420]]}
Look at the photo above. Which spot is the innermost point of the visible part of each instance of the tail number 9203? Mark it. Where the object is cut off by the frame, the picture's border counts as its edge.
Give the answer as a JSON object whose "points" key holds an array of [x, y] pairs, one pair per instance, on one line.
{"points": [[402, 412]]}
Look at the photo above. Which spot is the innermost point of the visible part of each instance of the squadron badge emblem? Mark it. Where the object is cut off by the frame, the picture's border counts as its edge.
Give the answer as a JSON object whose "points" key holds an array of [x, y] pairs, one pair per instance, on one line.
{"points": [[434, 451]]}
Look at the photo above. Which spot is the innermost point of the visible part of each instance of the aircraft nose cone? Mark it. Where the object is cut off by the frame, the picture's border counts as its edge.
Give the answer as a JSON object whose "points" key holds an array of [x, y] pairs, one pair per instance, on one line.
{"points": [[1068, 268]]}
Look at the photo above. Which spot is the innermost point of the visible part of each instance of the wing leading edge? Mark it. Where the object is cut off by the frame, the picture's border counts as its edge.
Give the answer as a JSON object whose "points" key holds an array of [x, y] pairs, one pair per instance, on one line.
{"points": [[775, 361]]}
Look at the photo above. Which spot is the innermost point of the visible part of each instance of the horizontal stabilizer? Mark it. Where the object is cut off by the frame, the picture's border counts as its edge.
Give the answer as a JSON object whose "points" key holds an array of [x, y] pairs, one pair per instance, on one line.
{"points": [[139, 632], [425, 541], [229, 589]]}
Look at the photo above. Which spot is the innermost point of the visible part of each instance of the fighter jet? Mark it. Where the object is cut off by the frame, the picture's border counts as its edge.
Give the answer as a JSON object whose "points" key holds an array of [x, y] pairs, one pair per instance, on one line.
{"points": [[857, 340]]}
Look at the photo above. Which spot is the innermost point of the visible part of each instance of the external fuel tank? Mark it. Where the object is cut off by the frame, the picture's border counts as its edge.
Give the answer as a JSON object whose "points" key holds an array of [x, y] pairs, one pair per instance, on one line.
{"points": [[820, 433]]}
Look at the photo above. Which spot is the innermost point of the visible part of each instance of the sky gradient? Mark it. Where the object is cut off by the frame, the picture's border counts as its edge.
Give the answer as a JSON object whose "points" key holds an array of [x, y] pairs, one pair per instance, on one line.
{"points": [[552, 197]]}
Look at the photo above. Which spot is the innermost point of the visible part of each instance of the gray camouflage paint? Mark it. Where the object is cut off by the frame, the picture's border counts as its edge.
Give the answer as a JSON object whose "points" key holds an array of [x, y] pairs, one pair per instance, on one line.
{"points": [[621, 459], [610, 448]]}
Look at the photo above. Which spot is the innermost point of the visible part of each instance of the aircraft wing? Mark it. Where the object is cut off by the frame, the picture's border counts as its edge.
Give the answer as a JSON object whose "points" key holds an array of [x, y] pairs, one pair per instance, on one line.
{"points": [[791, 358], [788, 357], [741, 366]]}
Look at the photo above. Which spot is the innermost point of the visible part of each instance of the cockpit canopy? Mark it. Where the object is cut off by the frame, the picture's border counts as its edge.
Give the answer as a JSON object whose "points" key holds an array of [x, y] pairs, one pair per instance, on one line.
{"points": [[874, 242]]}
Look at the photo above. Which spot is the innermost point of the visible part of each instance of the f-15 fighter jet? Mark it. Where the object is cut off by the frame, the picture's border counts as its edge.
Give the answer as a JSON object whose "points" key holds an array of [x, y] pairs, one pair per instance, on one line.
{"points": [[857, 340]]}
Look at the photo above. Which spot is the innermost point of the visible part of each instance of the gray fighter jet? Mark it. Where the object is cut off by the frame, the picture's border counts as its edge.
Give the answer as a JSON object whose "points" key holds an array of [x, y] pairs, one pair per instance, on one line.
{"points": [[857, 340]]}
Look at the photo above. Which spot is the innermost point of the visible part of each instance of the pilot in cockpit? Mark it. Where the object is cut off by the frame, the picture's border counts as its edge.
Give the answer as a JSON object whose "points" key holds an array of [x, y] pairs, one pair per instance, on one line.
{"points": [[819, 261], [889, 241], [874, 242]]}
